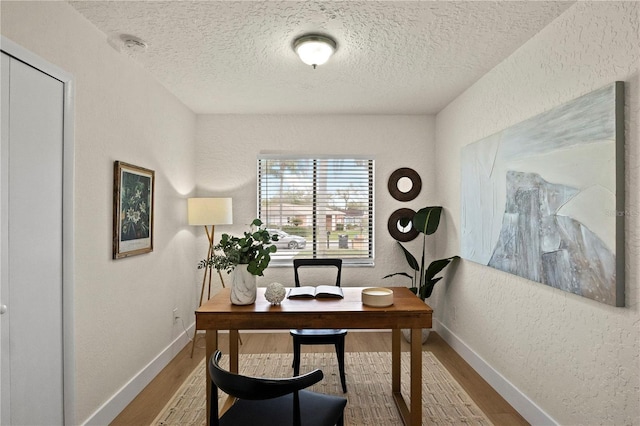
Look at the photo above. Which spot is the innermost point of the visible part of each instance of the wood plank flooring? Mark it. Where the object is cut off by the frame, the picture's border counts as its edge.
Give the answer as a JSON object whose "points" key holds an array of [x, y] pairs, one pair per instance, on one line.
{"points": [[148, 404]]}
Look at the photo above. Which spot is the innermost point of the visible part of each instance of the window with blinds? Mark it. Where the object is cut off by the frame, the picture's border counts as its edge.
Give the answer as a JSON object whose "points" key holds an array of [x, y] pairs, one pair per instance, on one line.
{"points": [[318, 207]]}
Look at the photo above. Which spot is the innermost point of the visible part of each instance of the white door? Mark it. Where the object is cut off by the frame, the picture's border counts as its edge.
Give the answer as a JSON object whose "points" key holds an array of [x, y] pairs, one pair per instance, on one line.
{"points": [[31, 182]]}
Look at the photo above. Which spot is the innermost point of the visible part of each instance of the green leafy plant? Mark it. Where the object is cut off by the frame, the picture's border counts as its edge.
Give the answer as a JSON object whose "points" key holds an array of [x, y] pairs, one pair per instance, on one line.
{"points": [[254, 249], [426, 222]]}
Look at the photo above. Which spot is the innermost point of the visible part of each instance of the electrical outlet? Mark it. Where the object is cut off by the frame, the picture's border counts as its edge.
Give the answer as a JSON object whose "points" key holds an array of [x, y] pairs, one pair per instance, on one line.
{"points": [[175, 315]]}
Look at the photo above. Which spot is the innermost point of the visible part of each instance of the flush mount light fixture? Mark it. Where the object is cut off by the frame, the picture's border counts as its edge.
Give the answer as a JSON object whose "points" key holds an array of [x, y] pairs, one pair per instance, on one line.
{"points": [[314, 49]]}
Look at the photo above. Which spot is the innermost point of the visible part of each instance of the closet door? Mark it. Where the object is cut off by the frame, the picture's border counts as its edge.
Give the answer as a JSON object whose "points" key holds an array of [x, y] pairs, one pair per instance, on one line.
{"points": [[31, 167]]}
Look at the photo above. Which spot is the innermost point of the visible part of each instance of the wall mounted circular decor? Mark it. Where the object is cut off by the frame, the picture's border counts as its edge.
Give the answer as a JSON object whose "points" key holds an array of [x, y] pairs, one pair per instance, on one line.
{"points": [[400, 226], [404, 184]]}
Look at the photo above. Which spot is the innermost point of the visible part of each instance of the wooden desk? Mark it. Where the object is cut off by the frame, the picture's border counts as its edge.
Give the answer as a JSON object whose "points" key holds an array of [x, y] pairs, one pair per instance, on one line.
{"points": [[407, 311]]}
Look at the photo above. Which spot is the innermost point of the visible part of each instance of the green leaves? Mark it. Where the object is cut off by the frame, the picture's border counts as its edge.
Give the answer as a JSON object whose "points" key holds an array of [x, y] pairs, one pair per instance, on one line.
{"points": [[426, 222], [430, 278], [413, 263], [438, 265], [253, 249]]}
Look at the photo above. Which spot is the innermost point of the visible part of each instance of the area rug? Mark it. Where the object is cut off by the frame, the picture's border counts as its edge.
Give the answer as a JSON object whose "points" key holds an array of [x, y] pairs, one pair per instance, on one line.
{"points": [[444, 402]]}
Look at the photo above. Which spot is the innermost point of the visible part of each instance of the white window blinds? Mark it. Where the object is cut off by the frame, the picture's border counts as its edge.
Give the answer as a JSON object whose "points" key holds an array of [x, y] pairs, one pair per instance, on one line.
{"points": [[319, 207]]}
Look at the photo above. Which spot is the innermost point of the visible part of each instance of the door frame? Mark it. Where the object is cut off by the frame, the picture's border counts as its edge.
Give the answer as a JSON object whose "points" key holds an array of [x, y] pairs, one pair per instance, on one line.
{"points": [[68, 247]]}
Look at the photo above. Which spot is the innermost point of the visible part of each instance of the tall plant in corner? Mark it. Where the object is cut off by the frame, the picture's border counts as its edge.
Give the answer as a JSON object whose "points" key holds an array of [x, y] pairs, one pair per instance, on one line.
{"points": [[423, 280]]}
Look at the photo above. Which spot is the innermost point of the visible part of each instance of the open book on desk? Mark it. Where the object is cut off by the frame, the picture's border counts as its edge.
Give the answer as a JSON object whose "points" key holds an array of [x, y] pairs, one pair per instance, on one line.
{"points": [[310, 292]]}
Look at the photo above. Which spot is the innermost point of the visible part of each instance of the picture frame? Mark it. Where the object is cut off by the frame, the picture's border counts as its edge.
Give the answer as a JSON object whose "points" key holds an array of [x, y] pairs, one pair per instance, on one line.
{"points": [[133, 211]]}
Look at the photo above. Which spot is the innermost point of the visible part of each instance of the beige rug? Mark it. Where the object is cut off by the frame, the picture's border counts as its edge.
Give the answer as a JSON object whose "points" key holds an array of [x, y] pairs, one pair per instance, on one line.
{"points": [[368, 374]]}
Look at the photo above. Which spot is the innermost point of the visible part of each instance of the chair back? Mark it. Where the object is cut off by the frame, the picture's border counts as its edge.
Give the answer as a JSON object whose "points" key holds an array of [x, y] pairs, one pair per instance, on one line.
{"points": [[300, 263], [253, 389]]}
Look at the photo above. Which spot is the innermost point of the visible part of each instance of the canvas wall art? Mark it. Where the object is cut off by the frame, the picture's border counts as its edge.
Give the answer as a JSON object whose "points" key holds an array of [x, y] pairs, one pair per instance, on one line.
{"points": [[544, 199]]}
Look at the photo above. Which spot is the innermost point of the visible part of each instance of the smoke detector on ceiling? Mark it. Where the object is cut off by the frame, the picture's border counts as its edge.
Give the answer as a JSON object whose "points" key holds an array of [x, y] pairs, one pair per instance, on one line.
{"points": [[127, 43], [133, 43]]}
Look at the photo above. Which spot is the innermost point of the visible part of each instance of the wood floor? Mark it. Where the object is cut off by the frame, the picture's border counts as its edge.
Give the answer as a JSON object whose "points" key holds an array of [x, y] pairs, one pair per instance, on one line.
{"points": [[155, 396]]}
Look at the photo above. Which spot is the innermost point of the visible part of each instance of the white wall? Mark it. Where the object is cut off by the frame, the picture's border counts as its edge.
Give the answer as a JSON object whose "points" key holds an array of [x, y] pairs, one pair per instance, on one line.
{"points": [[575, 358], [228, 146], [123, 308]]}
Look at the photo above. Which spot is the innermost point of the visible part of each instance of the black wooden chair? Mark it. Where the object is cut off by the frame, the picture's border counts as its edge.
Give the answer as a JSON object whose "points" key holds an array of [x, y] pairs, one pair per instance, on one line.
{"points": [[334, 337], [279, 402]]}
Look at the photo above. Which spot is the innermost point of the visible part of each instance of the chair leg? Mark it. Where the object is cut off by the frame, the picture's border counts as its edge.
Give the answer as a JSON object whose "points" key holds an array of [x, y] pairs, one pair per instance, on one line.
{"points": [[340, 421], [296, 357], [340, 353]]}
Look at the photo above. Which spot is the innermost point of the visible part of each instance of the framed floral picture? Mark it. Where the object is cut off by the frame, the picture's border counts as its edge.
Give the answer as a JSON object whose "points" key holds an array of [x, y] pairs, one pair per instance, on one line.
{"points": [[133, 194]]}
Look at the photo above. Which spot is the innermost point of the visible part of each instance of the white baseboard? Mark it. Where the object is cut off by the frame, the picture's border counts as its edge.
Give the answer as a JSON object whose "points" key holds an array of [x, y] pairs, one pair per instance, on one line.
{"points": [[119, 401], [518, 400]]}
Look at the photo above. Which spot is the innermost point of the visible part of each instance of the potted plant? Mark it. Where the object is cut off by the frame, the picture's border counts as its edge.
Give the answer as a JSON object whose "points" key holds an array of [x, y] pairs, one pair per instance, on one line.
{"points": [[245, 258], [423, 280]]}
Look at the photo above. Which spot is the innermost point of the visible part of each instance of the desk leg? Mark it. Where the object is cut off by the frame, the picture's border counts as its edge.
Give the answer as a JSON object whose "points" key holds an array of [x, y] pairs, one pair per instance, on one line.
{"points": [[411, 415], [416, 377], [396, 392], [233, 351], [395, 360], [211, 339]]}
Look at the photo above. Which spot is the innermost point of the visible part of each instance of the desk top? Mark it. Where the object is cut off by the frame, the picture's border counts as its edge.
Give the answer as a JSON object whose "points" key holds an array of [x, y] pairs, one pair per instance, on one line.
{"points": [[407, 311]]}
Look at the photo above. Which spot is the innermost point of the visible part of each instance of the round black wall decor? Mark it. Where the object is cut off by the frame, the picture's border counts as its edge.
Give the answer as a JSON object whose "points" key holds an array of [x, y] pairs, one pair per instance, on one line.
{"points": [[404, 184], [400, 226]]}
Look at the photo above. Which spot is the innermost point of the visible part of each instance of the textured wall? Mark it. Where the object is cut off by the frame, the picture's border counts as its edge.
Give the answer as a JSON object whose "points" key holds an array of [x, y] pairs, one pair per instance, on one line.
{"points": [[123, 308], [575, 358], [228, 146]]}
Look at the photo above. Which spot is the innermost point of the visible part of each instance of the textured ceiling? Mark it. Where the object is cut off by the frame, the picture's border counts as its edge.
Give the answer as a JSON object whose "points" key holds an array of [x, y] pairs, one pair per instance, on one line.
{"points": [[393, 57]]}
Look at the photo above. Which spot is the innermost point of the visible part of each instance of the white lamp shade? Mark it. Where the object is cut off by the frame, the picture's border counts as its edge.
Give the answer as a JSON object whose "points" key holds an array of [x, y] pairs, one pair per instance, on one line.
{"points": [[209, 211], [314, 50]]}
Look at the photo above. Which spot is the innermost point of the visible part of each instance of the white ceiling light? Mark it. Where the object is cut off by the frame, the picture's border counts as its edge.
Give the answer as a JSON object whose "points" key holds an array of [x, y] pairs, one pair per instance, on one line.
{"points": [[314, 49]]}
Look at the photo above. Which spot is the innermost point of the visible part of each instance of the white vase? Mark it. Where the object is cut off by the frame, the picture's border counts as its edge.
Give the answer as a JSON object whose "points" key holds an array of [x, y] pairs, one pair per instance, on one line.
{"points": [[407, 334], [243, 286]]}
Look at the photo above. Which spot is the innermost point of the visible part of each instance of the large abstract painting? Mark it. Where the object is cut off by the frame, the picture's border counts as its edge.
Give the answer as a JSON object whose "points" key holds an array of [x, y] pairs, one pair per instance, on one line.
{"points": [[544, 199]]}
